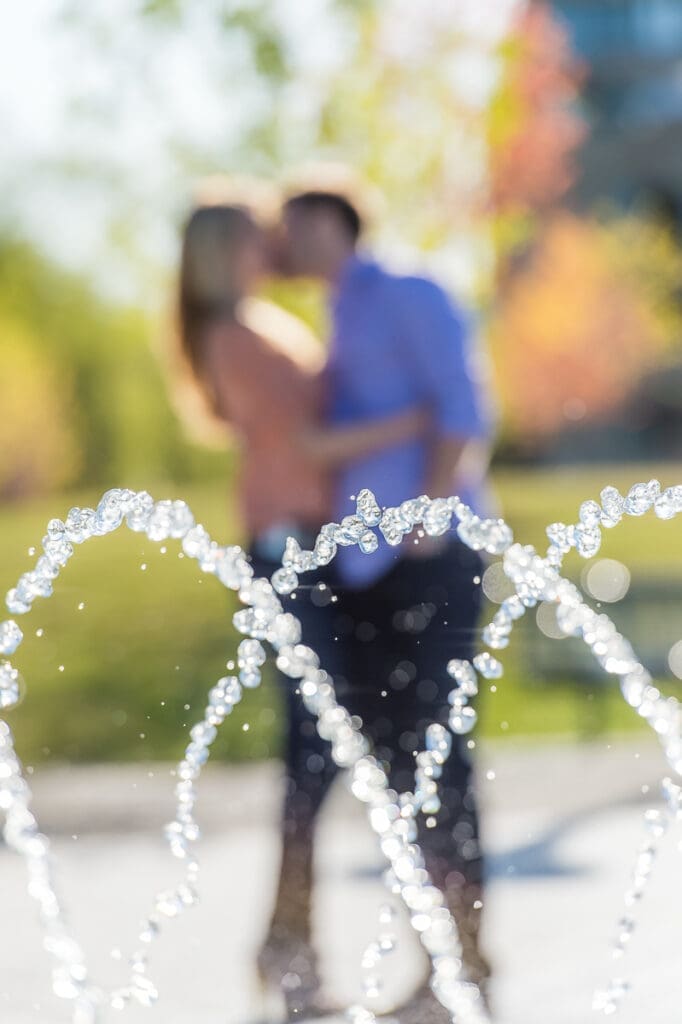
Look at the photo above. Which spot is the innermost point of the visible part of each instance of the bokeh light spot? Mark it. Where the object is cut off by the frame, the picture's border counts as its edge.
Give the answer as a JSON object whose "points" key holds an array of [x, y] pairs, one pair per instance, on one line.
{"points": [[546, 619], [607, 580], [675, 659], [495, 584]]}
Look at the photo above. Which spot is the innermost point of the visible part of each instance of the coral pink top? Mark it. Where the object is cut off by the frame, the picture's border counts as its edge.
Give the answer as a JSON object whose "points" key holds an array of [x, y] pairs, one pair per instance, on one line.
{"points": [[269, 392]]}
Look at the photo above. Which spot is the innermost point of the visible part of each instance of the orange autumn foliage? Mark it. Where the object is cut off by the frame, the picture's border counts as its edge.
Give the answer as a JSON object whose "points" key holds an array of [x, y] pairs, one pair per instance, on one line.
{"points": [[589, 312], [535, 128]]}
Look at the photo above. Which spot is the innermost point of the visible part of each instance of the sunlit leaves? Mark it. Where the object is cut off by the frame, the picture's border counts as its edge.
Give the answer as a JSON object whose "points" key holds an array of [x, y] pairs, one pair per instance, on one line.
{"points": [[591, 308]]}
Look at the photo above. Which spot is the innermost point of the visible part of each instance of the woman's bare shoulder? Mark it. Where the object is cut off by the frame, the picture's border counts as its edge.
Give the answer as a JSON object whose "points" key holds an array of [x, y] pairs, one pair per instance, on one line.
{"points": [[286, 333]]}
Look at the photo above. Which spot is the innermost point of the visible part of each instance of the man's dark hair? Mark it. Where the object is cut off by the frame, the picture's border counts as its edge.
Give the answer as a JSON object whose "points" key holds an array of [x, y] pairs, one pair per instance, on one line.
{"points": [[332, 202]]}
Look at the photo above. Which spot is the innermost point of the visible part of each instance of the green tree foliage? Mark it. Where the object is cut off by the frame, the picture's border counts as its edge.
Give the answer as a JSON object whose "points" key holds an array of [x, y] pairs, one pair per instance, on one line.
{"points": [[469, 137], [83, 397], [399, 118], [38, 445]]}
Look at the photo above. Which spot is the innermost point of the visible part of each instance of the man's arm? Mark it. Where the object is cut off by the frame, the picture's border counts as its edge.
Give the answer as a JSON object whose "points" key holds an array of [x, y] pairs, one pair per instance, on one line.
{"points": [[458, 453], [444, 461], [338, 445]]}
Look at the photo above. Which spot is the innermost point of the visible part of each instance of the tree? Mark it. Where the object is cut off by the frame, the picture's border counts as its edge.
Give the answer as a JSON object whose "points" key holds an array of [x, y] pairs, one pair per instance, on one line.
{"points": [[83, 395], [534, 128], [39, 449], [593, 308]]}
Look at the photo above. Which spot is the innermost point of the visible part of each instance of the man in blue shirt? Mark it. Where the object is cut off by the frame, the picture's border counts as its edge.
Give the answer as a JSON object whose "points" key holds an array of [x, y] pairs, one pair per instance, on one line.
{"points": [[401, 613]]}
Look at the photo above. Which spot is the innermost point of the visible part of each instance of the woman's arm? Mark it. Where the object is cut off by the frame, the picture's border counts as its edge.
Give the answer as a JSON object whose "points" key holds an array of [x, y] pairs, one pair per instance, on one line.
{"points": [[333, 446]]}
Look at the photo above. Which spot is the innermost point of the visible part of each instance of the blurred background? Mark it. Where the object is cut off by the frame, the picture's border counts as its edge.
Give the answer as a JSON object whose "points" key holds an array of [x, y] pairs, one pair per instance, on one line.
{"points": [[529, 155]]}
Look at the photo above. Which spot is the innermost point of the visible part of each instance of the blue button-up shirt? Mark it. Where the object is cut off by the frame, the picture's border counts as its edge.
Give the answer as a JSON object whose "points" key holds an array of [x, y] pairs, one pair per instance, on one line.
{"points": [[397, 343]]}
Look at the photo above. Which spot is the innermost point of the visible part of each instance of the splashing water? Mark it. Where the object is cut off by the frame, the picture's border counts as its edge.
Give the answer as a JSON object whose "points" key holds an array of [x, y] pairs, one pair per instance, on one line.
{"points": [[392, 816]]}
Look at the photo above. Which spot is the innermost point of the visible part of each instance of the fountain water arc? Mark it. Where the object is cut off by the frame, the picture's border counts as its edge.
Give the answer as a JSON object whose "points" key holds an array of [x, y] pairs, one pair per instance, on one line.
{"points": [[535, 578]]}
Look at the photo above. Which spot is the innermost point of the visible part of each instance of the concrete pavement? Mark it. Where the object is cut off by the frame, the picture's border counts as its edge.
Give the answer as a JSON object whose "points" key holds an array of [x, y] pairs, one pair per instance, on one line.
{"points": [[561, 825]]}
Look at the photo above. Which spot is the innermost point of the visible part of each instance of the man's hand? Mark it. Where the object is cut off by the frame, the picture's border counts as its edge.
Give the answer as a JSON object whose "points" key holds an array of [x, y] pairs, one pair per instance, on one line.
{"points": [[444, 462]]}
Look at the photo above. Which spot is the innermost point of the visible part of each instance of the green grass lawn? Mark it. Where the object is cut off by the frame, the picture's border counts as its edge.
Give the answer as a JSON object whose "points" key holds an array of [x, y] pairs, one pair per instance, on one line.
{"points": [[119, 677]]}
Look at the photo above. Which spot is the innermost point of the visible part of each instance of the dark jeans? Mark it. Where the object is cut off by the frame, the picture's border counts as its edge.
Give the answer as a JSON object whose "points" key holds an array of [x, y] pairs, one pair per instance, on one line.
{"points": [[386, 647]]}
